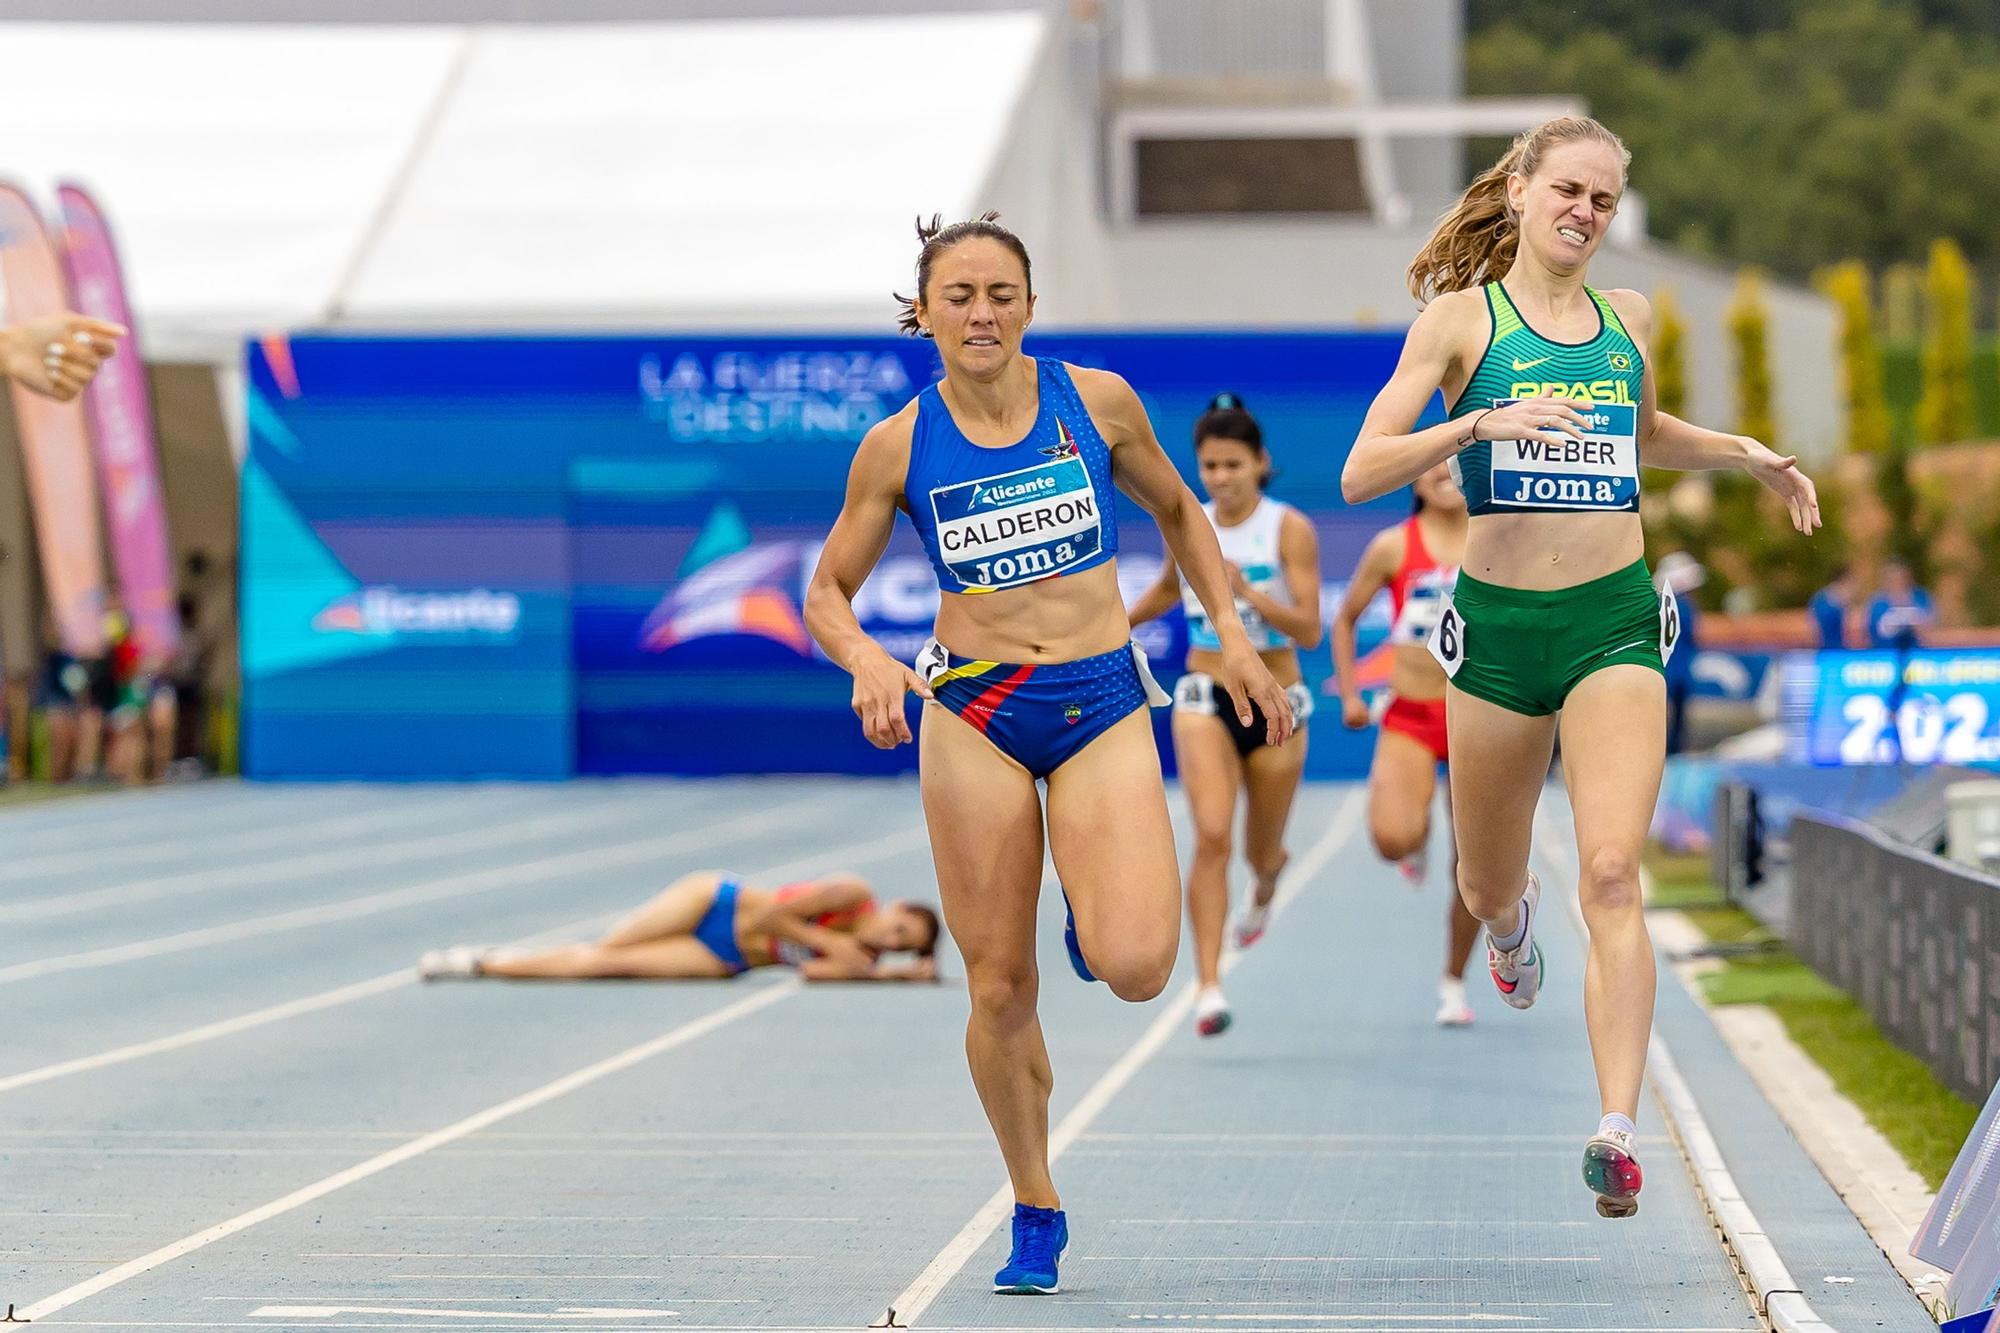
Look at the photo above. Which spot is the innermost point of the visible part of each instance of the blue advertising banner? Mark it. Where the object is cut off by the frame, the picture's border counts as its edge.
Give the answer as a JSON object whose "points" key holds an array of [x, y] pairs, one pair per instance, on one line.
{"points": [[542, 556], [1929, 706]]}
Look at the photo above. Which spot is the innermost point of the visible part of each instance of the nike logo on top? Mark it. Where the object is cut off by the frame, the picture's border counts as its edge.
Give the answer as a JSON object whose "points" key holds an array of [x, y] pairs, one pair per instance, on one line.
{"points": [[1519, 364]]}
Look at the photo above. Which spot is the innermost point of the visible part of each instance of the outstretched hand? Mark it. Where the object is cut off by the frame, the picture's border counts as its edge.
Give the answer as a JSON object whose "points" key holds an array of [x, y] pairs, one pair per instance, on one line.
{"points": [[58, 355], [1249, 681], [1780, 472]]}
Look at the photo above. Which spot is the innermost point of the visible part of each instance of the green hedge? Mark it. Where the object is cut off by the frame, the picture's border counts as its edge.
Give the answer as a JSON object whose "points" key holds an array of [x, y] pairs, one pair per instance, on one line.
{"points": [[1903, 385]]}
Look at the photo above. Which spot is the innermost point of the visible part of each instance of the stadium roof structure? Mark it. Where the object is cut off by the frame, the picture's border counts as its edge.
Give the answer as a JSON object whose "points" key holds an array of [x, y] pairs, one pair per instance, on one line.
{"points": [[705, 173]]}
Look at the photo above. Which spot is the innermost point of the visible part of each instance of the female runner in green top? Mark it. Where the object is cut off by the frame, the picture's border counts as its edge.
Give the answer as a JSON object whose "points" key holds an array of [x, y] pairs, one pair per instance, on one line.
{"points": [[1554, 622]]}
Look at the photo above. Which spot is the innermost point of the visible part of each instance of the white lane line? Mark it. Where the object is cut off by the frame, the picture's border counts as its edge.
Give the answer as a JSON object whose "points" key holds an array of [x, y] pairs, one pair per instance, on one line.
{"points": [[102, 826], [250, 834], [1357, 1139], [478, 1254], [562, 932], [608, 856], [567, 1312], [513, 1298], [580, 1217], [843, 1327], [479, 836], [1336, 1259], [1486, 1222], [763, 998], [1209, 1300], [1474, 1318], [1775, 1293], [856, 853], [910, 1304]]}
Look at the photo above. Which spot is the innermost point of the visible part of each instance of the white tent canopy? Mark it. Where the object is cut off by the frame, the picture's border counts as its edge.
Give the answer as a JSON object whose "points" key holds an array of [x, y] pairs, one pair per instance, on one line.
{"points": [[654, 174]]}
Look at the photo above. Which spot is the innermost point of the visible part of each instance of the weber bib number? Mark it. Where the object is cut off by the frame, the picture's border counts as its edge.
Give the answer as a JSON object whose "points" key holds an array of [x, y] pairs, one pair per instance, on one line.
{"points": [[1670, 626], [1599, 471], [1447, 642]]}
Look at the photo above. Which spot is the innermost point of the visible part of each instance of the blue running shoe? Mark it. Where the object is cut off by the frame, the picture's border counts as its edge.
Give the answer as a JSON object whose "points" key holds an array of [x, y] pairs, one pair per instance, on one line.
{"points": [[1069, 941], [1040, 1237]]}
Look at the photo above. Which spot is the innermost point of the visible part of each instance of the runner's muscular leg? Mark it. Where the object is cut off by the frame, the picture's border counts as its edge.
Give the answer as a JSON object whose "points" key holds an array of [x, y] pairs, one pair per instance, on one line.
{"points": [[1461, 933], [985, 821], [674, 910], [1211, 776], [1499, 759], [1271, 776], [1402, 778], [1114, 852], [1614, 748]]}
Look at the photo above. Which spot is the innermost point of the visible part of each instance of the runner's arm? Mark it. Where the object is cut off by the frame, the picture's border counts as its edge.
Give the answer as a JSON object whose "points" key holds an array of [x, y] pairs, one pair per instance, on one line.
{"points": [[842, 894], [860, 535], [1666, 441], [1159, 599], [1372, 575], [1388, 455], [828, 969], [1146, 474], [1298, 558]]}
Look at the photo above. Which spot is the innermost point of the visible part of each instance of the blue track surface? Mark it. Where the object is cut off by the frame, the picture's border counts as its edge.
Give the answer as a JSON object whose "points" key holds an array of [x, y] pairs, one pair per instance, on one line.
{"points": [[217, 1063]]}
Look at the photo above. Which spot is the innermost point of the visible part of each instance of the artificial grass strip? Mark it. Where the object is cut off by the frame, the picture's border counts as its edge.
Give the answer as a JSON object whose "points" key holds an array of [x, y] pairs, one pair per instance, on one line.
{"points": [[1922, 1119], [1679, 880], [1925, 1121], [1729, 925]]}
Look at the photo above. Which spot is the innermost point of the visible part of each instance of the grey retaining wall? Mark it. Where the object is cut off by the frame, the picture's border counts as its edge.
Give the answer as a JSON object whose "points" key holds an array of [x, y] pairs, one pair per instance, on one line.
{"points": [[1914, 937]]}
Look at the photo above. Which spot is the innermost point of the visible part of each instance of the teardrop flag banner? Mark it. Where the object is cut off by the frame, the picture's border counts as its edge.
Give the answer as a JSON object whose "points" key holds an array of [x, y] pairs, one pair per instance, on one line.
{"points": [[55, 441], [121, 427]]}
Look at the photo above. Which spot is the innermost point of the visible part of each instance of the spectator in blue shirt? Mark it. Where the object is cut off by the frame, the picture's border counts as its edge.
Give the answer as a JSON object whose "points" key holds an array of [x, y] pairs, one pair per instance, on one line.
{"points": [[1829, 608], [1900, 613]]}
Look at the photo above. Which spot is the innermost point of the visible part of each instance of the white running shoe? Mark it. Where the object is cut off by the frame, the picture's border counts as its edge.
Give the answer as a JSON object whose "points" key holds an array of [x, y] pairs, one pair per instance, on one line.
{"points": [[1453, 1011], [1416, 867], [1251, 923], [458, 963], [1612, 1173], [1517, 972], [1211, 1012]]}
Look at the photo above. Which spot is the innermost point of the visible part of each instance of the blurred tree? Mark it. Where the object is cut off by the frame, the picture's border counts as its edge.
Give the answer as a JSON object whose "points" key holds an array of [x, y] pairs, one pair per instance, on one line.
{"points": [[1789, 135], [1944, 414], [1669, 353], [1902, 303], [1909, 532], [1860, 359], [1749, 332]]}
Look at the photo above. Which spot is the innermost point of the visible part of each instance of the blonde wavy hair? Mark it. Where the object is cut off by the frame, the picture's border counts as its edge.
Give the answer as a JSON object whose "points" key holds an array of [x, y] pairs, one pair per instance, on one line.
{"points": [[1474, 243]]}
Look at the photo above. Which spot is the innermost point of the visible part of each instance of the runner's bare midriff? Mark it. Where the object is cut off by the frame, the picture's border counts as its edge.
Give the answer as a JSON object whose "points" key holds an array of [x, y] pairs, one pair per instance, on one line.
{"points": [[1544, 552], [1415, 675], [1054, 620]]}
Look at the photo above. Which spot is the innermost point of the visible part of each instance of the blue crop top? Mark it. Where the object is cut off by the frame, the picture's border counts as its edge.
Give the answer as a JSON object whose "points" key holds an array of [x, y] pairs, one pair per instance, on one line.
{"points": [[998, 518]]}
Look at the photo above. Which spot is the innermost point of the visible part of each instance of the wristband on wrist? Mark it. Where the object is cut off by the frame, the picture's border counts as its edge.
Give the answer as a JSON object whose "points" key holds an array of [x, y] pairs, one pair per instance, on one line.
{"points": [[1472, 431]]}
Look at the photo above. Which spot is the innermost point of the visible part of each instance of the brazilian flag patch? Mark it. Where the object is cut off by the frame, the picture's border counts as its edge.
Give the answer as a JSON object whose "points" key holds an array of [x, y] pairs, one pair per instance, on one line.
{"points": [[1620, 361]]}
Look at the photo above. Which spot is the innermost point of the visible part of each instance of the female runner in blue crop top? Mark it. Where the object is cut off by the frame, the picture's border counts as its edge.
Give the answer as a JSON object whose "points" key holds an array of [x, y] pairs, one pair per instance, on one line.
{"points": [[1006, 469]]}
